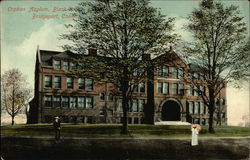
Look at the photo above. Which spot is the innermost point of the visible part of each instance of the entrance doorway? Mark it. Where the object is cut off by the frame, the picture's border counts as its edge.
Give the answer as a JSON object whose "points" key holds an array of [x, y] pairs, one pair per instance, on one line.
{"points": [[171, 111]]}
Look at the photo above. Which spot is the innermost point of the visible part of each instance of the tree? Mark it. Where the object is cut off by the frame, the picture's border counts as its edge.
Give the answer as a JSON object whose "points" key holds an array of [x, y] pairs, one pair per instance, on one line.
{"points": [[219, 49], [15, 93], [122, 31]]}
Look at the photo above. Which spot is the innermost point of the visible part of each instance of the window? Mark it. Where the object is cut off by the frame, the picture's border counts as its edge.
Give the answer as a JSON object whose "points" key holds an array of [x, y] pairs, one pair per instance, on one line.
{"points": [[196, 76], [82, 119], [223, 101], [181, 73], [191, 107], [159, 70], [142, 119], [80, 102], [191, 90], [202, 90], [142, 87], [69, 83], [57, 82], [196, 121], [65, 102], [165, 70], [190, 76], [88, 84], [66, 65], [159, 87], [135, 87], [57, 101], [111, 97], [203, 121], [196, 90], [48, 101], [166, 88], [89, 102], [57, 64], [175, 89], [81, 65], [141, 105], [136, 120], [196, 109], [120, 109], [48, 81], [130, 105], [102, 112], [129, 120], [223, 115], [73, 102], [102, 96], [175, 72], [181, 89], [81, 83], [109, 113], [73, 66], [202, 108], [135, 105], [202, 76]]}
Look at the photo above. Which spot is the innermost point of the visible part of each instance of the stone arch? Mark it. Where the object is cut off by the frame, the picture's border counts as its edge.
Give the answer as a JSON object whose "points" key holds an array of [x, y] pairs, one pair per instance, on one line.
{"points": [[171, 110], [171, 99]]}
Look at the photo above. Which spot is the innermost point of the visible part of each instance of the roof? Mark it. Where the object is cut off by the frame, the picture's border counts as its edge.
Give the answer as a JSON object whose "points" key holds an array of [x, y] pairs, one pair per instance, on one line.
{"points": [[195, 68], [170, 57], [46, 56]]}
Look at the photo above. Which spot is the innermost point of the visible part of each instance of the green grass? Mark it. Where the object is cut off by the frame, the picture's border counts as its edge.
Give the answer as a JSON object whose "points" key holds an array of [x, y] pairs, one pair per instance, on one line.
{"points": [[102, 130]]}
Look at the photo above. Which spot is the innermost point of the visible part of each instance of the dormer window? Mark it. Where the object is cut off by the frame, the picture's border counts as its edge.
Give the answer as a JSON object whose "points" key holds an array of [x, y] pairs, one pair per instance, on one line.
{"points": [[73, 66], [57, 64], [165, 70], [102, 96], [175, 72], [181, 73], [66, 65]]}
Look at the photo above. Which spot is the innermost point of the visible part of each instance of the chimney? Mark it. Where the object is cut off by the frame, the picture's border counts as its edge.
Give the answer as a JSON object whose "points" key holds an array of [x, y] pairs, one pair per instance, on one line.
{"points": [[146, 56], [92, 51]]}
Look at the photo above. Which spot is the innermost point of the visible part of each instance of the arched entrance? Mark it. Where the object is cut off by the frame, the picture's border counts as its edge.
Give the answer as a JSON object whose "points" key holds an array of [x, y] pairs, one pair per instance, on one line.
{"points": [[170, 111]]}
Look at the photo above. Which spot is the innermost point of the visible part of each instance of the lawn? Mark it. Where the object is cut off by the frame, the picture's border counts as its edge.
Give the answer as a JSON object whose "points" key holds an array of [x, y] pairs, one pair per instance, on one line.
{"points": [[113, 130]]}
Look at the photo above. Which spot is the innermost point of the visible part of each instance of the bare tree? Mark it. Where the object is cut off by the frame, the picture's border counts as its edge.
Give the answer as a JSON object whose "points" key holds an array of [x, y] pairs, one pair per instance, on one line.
{"points": [[15, 93]]}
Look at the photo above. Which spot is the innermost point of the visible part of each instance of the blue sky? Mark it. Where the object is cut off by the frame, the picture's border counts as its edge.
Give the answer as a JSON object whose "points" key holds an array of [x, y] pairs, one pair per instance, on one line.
{"points": [[21, 34]]}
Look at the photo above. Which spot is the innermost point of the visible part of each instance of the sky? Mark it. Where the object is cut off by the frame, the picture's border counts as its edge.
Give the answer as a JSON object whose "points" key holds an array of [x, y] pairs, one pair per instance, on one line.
{"points": [[25, 25]]}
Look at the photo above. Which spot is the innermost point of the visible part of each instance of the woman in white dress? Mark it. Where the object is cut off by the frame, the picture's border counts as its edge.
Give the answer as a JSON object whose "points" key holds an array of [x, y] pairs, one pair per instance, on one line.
{"points": [[195, 131]]}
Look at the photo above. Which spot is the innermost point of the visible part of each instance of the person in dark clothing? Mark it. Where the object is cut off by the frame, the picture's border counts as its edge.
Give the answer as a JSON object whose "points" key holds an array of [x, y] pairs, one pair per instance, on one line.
{"points": [[57, 127]]}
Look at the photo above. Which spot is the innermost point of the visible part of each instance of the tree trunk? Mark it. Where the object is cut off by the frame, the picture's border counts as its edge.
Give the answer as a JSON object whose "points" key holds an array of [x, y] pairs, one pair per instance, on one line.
{"points": [[211, 110], [149, 107], [125, 86], [12, 120]]}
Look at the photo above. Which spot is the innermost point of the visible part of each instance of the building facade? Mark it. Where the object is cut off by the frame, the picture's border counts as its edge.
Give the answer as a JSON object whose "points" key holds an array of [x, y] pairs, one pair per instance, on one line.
{"points": [[60, 92]]}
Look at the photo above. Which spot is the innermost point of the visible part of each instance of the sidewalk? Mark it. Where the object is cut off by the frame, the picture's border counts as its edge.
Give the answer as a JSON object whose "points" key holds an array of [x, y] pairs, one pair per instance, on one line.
{"points": [[200, 138], [74, 148]]}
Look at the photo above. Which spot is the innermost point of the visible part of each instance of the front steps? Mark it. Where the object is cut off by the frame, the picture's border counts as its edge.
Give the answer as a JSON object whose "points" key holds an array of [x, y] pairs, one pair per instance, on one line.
{"points": [[174, 123]]}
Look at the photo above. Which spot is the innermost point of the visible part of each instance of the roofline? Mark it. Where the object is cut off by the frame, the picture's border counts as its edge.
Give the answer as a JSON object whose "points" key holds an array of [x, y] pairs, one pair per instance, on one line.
{"points": [[171, 50], [51, 51]]}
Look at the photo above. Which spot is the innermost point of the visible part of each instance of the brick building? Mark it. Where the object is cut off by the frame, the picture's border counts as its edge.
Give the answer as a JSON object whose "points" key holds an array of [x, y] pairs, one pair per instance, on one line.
{"points": [[76, 99]]}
